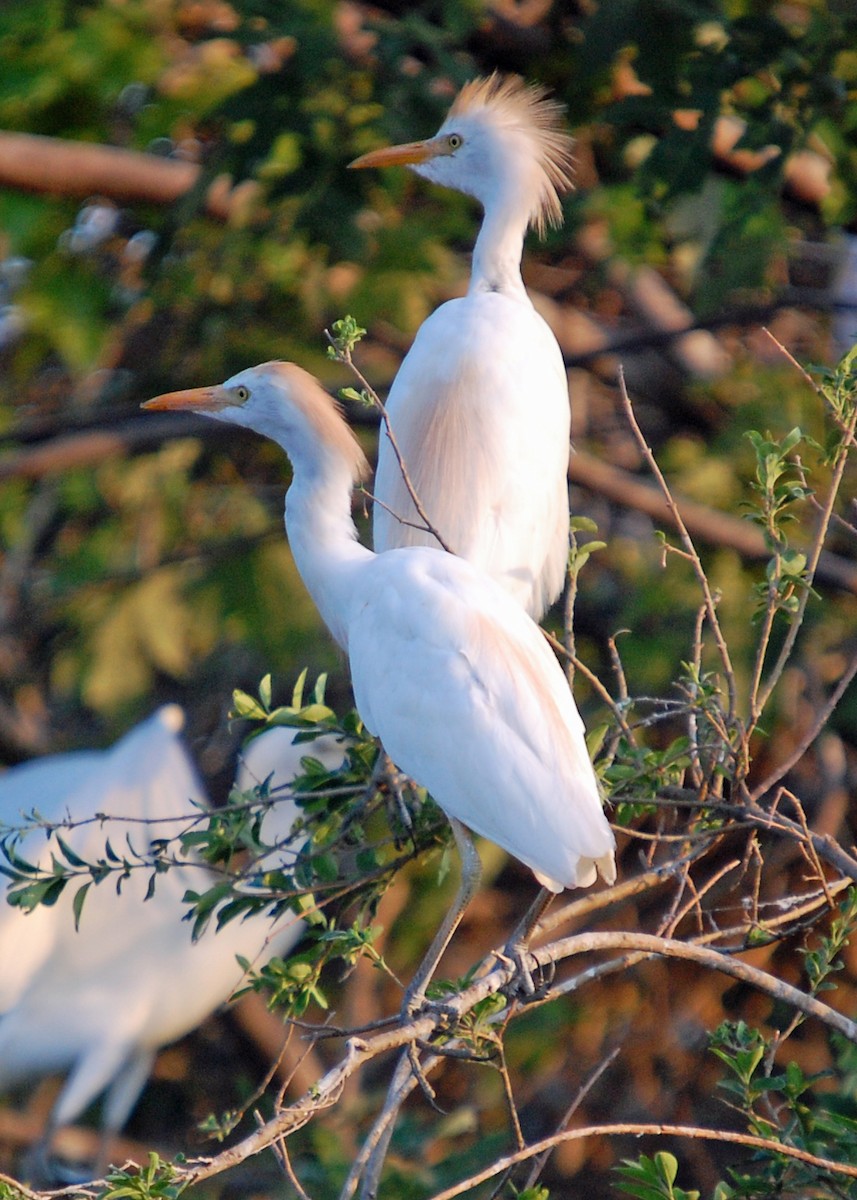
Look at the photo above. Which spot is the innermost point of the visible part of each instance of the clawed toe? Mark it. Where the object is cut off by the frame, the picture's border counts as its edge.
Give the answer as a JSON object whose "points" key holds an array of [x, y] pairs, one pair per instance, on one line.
{"points": [[523, 983]]}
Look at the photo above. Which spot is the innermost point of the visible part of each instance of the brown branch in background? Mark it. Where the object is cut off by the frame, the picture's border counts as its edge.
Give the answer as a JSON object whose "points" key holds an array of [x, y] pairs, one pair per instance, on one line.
{"points": [[648, 293], [709, 525], [706, 524], [35, 163], [67, 452]]}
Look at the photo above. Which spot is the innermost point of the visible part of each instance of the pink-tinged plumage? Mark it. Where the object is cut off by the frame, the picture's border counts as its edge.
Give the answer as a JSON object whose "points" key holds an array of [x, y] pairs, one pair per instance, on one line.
{"points": [[480, 406], [448, 670], [527, 111]]}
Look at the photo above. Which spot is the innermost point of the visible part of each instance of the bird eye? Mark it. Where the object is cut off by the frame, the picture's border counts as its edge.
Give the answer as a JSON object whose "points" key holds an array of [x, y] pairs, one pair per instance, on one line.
{"points": [[242, 394], [454, 141]]}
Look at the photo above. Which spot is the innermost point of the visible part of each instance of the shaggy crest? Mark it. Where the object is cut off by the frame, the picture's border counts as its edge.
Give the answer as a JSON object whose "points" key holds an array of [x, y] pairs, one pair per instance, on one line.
{"points": [[507, 101], [323, 413]]}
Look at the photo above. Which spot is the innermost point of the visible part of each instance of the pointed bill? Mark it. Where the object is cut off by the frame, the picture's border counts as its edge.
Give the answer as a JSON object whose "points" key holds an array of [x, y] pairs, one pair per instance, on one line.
{"points": [[205, 399], [396, 156]]}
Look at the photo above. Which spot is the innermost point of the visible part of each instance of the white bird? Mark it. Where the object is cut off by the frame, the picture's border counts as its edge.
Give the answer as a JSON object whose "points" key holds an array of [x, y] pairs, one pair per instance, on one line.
{"points": [[275, 756], [97, 1004], [448, 670], [479, 408]]}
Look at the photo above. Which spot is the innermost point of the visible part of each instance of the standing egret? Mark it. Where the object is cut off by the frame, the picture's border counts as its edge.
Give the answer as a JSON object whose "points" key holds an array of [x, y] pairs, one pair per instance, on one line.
{"points": [[99, 1002], [448, 670], [479, 408]]}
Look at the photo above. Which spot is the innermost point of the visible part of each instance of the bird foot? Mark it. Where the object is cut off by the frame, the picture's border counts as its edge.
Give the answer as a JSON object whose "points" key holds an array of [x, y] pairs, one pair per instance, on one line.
{"points": [[522, 984]]}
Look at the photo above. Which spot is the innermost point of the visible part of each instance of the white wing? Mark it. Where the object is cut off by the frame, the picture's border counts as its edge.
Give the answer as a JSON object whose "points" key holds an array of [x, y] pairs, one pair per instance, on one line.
{"points": [[480, 412], [467, 698], [44, 784], [130, 980]]}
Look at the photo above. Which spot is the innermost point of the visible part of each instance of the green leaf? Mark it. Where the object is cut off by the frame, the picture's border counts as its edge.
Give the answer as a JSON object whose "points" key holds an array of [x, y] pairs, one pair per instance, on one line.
{"points": [[70, 856], [77, 903], [245, 706], [298, 689]]}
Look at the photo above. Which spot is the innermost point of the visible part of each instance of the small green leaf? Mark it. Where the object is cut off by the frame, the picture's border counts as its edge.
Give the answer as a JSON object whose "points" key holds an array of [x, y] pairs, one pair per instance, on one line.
{"points": [[77, 903], [70, 856], [245, 706], [298, 689]]}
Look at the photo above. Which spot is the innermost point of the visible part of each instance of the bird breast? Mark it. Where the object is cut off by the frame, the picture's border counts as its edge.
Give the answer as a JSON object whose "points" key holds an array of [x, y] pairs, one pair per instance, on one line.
{"points": [[467, 698], [481, 416]]}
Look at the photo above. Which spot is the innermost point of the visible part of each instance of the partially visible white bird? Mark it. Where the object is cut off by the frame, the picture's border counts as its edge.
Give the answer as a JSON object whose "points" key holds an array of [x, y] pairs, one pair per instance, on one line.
{"points": [[275, 755], [43, 784], [99, 1003], [447, 669], [479, 407]]}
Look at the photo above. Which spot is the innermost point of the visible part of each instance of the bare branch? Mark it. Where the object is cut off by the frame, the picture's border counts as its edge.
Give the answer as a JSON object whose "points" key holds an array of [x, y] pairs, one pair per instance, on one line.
{"points": [[642, 1130], [690, 549]]}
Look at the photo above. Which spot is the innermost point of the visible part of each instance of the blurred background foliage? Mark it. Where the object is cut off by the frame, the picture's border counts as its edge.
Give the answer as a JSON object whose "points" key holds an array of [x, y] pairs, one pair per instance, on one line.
{"points": [[153, 567], [159, 570], [144, 559]]}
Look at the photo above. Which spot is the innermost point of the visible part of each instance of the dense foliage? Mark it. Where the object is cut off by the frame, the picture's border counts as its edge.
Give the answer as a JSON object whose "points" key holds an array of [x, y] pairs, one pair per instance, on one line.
{"points": [[717, 170]]}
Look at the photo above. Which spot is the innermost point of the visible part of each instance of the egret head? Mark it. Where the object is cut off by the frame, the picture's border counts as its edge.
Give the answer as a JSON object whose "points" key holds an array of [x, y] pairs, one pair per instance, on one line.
{"points": [[501, 137], [282, 402]]}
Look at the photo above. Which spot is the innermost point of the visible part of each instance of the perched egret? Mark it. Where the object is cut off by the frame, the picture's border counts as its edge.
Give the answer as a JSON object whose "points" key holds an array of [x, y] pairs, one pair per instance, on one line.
{"points": [[98, 1003], [448, 670], [479, 408]]}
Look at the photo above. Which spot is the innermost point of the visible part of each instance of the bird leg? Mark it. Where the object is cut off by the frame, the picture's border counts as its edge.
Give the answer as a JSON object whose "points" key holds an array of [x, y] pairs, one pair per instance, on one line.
{"points": [[395, 778], [518, 942], [471, 873]]}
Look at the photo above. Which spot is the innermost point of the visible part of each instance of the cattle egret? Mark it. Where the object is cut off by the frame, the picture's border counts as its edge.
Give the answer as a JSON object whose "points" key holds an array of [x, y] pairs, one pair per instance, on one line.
{"points": [[448, 670], [479, 408], [98, 1003]]}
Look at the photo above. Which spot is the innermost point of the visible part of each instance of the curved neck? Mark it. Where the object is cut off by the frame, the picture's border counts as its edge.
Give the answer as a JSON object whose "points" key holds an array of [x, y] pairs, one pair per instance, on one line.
{"points": [[498, 249], [323, 541]]}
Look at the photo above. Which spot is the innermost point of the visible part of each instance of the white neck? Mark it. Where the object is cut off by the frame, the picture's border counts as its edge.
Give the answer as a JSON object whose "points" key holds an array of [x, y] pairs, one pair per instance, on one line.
{"points": [[497, 253], [323, 539]]}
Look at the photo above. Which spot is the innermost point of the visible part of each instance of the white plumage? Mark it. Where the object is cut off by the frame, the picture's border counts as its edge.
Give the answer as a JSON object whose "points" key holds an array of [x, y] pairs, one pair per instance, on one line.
{"points": [[450, 673], [480, 407], [97, 1004]]}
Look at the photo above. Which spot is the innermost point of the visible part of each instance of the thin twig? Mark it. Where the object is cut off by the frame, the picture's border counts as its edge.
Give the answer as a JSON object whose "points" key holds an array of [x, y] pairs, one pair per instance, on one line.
{"points": [[582, 1092], [640, 1130], [814, 554], [690, 549], [345, 357], [821, 719]]}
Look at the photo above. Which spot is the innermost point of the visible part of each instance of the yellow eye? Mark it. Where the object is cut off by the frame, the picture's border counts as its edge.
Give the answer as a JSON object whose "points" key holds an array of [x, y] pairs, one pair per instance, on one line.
{"points": [[242, 394], [454, 141]]}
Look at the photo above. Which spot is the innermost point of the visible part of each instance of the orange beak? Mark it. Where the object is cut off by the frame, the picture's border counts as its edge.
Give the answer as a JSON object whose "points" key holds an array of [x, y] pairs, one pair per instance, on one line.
{"points": [[202, 398], [397, 156]]}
